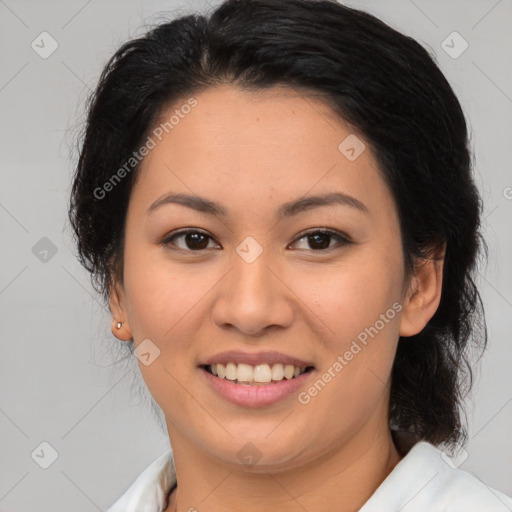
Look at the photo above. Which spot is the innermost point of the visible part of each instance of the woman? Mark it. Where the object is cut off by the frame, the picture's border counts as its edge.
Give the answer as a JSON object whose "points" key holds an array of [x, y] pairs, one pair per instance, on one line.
{"points": [[276, 202]]}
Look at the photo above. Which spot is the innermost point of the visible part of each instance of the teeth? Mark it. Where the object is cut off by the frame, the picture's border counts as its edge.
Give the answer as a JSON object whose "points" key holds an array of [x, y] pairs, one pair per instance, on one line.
{"points": [[230, 373], [245, 373], [277, 372], [261, 373]]}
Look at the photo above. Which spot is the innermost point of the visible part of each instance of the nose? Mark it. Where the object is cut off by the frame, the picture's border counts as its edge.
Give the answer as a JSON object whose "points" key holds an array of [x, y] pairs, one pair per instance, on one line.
{"points": [[253, 297]]}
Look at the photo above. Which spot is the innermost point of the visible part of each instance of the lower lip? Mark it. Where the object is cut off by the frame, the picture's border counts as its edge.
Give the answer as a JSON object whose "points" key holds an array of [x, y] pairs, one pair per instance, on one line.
{"points": [[255, 396]]}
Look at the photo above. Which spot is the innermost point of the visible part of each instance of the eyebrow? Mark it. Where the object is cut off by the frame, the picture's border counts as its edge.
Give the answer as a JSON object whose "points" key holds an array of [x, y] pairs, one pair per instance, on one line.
{"points": [[289, 209]]}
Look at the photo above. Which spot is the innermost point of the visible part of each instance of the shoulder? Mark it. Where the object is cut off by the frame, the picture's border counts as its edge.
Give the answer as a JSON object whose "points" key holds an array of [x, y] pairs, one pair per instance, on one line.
{"points": [[457, 489], [148, 492], [426, 480]]}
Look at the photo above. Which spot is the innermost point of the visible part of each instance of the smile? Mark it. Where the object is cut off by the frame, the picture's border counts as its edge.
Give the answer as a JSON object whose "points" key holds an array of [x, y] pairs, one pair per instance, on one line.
{"points": [[258, 375]]}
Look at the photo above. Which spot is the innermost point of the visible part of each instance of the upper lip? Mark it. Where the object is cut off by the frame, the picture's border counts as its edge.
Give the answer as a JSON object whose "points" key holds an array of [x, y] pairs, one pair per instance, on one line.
{"points": [[255, 358]]}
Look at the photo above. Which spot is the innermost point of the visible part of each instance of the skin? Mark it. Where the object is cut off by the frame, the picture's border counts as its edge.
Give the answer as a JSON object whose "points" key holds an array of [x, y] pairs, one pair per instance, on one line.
{"points": [[252, 152]]}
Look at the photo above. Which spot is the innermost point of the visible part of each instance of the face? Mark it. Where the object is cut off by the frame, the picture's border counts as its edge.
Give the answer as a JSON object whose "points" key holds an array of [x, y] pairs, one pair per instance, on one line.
{"points": [[257, 277]]}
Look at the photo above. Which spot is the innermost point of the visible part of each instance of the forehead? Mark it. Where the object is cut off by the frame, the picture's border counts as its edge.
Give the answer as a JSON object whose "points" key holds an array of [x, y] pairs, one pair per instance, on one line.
{"points": [[239, 146]]}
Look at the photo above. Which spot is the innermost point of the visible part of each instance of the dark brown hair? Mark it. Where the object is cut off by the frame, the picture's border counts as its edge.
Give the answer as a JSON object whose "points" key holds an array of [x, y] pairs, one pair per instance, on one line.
{"points": [[386, 85]]}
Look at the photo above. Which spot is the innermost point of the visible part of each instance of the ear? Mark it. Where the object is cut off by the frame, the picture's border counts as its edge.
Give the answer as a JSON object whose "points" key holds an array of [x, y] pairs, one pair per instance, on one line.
{"points": [[424, 294], [117, 303]]}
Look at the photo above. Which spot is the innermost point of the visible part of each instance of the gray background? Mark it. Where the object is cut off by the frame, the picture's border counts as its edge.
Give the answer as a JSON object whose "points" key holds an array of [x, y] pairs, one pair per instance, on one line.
{"points": [[57, 378]]}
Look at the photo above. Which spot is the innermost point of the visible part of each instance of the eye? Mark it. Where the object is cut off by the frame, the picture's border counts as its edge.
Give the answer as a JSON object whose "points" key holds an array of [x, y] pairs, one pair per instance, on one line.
{"points": [[194, 240], [321, 238]]}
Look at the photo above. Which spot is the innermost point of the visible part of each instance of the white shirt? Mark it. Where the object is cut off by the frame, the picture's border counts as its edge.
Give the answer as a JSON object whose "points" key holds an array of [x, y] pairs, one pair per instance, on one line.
{"points": [[423, 481]]}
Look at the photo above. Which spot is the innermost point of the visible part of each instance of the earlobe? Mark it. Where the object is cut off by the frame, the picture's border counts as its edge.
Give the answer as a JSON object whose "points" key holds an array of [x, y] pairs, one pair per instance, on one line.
{"points": [[424, 295], [121, 330], [120, 326]]}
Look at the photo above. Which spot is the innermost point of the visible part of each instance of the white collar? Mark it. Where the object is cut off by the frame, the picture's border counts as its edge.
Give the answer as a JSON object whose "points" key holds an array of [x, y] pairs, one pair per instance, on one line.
{"points": [[426, 480], [423, 481]]}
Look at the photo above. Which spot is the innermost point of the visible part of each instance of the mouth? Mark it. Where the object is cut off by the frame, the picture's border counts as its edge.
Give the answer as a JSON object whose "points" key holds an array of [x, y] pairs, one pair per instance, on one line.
{"points": [[257, 375]]}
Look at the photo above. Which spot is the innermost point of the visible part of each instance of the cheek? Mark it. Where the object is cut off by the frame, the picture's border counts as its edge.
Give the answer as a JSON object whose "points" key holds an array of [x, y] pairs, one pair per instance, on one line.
{"points": [[161, 306], [158, 293], [162, 303], [358, 309], [358, 306], [351, 296]]}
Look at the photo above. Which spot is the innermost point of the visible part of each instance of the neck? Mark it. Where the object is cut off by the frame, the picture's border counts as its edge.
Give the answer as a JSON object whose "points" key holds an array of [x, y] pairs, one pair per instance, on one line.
{"points": [[341, 480]]}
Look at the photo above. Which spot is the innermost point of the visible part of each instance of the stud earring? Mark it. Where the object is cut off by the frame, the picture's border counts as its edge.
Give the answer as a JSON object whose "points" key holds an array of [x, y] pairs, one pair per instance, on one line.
{"points": [[119, 324]]}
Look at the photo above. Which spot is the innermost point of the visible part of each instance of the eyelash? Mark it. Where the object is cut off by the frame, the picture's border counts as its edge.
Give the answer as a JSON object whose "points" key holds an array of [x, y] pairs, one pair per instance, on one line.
{"points": [[342, 239]]}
